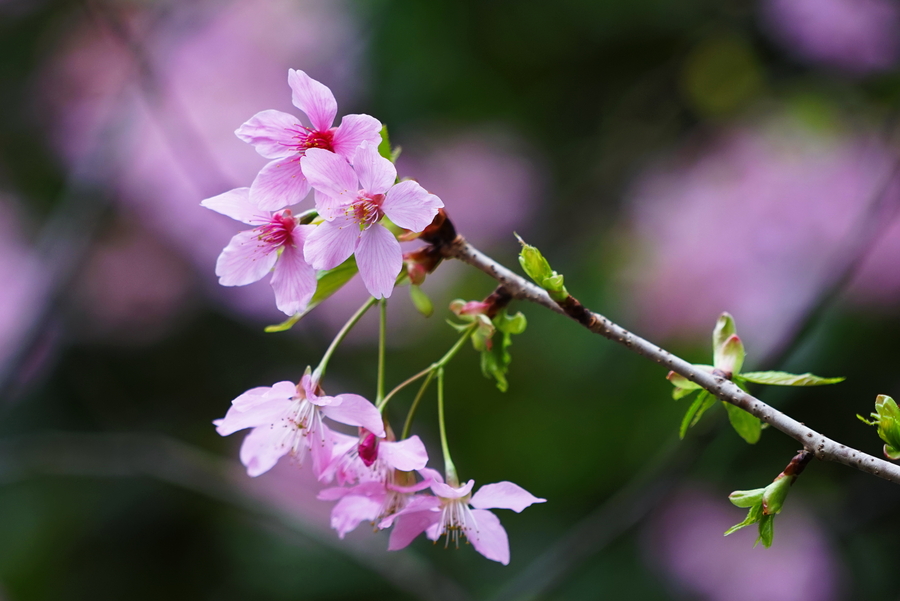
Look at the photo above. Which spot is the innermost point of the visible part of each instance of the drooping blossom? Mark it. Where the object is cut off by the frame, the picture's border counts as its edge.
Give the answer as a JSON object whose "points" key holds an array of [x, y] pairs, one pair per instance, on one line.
{"points": [[384, 472], [353, 201], [276, 242], [289, 419], [282, 137], [454, 512]]}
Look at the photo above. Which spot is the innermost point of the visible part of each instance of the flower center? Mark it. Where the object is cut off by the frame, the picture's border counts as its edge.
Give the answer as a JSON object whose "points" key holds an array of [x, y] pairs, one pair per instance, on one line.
{"points": [[456, 521], [278, 231], [307, 137], [366, 209]]}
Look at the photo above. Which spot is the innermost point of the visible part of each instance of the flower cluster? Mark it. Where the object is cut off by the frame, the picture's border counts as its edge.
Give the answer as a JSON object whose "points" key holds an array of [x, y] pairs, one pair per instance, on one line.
{"points": [[360, 211], [356, 193]]}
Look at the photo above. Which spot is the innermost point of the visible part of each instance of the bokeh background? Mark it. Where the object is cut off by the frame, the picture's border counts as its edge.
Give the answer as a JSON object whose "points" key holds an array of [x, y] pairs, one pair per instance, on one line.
{"points": [[673, 159]]}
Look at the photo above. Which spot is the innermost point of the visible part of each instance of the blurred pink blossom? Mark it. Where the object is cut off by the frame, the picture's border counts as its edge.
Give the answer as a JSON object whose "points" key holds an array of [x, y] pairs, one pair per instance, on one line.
{"points": [[208, 72], [854, 35], [25, 281], [752, 224], [686, 541]]}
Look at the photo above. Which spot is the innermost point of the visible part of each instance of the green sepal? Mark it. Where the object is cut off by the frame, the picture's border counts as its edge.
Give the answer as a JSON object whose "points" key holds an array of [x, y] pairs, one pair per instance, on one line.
{"points": [[703, 402], [421, 301], [887, 419], [746, 425], [538, 269], [329, 282], [780, 378]]}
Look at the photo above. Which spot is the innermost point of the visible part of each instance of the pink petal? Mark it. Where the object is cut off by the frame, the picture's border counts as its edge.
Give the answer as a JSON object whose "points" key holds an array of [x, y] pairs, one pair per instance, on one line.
{"points": [[261, 415], [353, 131], [379, 258], [236, 204], [245, 260], [354, 410], [431, 475], [448, 492], [272, 133], [329, 207], [294, 280], [351, 510], [313, 98], [279, 184], [410, 206], [262, 449], [488, 536], [410, 525], [503, 495], [376, 173], [321, 441], [331, 174], [331, 243], [404, 455]]}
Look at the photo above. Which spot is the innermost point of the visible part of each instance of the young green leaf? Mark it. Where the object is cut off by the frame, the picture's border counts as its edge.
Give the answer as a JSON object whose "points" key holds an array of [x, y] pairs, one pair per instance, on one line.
{"points": [[538, 269], [887, 418], [747, 426], [780, 378], [724, 330], [495, 358], [420, 300], [703, 402]]}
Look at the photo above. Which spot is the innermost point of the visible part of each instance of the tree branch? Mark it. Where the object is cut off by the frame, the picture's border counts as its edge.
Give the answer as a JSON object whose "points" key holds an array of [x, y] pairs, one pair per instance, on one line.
{"points": [[819, 445]]}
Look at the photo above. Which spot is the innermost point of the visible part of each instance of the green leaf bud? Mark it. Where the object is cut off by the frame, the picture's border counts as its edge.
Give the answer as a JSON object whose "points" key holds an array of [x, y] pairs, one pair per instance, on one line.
{"points": [[887, 419]]}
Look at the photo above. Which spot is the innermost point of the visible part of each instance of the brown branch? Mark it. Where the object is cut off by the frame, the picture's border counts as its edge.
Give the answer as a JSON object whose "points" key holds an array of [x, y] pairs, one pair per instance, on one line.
{"points": [[819, 445]]}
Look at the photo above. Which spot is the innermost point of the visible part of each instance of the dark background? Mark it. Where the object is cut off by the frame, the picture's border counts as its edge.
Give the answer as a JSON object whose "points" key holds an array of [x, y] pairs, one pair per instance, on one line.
{"points": [[673, 160]]}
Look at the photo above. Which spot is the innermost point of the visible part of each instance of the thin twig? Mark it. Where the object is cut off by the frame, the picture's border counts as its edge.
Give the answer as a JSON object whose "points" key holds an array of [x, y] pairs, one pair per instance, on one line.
{"points": [[820, 445]]}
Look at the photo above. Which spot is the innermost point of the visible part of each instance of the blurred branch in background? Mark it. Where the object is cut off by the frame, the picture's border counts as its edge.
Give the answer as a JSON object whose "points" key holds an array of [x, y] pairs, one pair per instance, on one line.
{"points": [[187, 467]]}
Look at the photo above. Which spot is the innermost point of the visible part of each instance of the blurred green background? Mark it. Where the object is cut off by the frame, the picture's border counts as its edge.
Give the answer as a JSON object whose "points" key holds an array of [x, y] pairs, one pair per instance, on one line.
{"points": [[673, 160]]}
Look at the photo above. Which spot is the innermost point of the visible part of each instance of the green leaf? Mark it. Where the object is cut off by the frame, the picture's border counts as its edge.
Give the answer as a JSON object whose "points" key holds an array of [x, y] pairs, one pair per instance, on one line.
{"points": [[680, 381], [680, 393], [703, 402], [384, 149], [538, 269], [754, 515], [495, 358], [766, 530], [747, 498], [329, 282], [780, 378], [420, 300], [747, 426]]}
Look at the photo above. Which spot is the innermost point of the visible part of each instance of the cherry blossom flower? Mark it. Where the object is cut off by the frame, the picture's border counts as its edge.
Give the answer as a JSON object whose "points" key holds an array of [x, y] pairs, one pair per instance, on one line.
{"points": [[289, 419], [353, 201], [276, 241], [384, 470], [282, 137], [454, 511]]}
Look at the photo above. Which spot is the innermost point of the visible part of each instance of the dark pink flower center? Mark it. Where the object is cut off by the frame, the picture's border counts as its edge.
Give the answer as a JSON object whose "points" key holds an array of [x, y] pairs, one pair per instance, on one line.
{"points": [[306, 137], [368, 449], [366, 209], [278, 231]]}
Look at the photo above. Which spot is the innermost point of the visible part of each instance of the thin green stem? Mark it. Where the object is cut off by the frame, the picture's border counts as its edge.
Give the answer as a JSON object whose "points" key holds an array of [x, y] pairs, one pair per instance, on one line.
{"points": [[382, 333], [320, 370], [449, 468], [430, 369], [415, 405]]}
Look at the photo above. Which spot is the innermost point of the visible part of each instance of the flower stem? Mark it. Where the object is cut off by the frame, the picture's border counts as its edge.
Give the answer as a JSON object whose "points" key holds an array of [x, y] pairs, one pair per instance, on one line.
{"points": [[415, 405], [430, 369], [449, 468], [320, 370], [382, 332]]}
